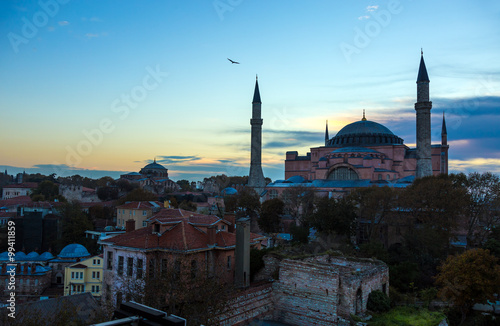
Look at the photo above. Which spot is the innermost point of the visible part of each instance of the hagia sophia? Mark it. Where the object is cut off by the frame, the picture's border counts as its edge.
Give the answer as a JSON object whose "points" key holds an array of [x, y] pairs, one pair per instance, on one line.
{"points": [[366, 153]]}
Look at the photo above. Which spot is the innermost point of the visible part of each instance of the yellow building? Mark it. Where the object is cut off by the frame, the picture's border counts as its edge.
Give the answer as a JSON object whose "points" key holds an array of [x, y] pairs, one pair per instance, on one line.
{"points": [[84, 276], [139, 211]]}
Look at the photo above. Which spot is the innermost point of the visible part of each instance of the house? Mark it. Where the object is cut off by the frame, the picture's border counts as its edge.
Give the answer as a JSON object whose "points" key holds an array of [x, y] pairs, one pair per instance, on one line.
{"points": [[175, 239], [16, 190], [84, 276], [139, 211]]}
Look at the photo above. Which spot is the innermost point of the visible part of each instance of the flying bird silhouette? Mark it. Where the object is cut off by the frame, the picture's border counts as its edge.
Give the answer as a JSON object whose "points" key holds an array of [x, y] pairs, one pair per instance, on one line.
{"points": [[233, 61]]}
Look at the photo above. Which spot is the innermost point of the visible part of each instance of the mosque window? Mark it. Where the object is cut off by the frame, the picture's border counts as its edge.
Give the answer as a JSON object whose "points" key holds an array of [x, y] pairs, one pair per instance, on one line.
{"points": [[388, 177], [273, 194], [380, 177], [343, 173]]}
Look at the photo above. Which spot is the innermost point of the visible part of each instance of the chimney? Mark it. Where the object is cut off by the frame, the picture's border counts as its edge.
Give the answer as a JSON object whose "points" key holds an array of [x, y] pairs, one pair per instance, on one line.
{"points": [[129, 225], [242, 253], [231, 219], [211, 232]]}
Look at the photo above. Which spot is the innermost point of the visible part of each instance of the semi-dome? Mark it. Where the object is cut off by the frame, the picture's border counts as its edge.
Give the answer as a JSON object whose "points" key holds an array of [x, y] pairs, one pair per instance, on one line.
{"points": [[74, 250], [364, 132]]}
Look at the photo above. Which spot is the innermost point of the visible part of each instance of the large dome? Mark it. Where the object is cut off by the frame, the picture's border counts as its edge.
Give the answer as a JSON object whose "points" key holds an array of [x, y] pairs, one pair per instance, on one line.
{"points": [[364, 132], [154, 166], [74, 250]]}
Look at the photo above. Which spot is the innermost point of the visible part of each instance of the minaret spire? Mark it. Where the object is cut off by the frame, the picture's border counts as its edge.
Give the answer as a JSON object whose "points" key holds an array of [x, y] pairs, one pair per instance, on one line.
{"points": [[327, 138], [423, 109], [444, 148], [256, 178], [364, 118], [444, 134]]}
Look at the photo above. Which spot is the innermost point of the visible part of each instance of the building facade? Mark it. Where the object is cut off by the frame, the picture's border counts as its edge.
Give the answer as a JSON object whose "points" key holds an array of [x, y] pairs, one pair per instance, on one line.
{"points": [[175, 240], [152, 177], [84, 276], [366, 153], [139, 211]]}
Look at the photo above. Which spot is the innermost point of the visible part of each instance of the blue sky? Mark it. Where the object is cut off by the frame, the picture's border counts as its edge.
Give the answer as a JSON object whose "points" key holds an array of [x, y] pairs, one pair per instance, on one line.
{"points": [[96, 87]]}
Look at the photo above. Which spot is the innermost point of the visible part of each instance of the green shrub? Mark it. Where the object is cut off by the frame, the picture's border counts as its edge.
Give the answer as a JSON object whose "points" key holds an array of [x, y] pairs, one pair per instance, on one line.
{"points": [[378, 301]]}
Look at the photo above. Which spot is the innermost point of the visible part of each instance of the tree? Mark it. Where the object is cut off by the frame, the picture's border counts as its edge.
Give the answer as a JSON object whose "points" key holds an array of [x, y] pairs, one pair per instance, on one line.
{"points": [[47, 190], [188, 206], [184, 184], [299, 202], [334, 215], [373, 205], [248, 203], [270, 217], [484, 202], [74, 224], [138, 194], [183, 286], [107, 193], [470, 278]]}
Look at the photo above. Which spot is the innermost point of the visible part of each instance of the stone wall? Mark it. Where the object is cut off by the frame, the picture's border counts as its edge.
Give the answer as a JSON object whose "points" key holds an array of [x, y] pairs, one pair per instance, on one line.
{"points": [[253, 303], [306, 294], [271, 266]]}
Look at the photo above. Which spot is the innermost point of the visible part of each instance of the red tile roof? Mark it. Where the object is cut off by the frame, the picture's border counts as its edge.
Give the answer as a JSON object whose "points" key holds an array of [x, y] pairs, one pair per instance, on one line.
{"points": [[30, 185], [181, 233], [21, 200], [140, 205], [181, 236]]}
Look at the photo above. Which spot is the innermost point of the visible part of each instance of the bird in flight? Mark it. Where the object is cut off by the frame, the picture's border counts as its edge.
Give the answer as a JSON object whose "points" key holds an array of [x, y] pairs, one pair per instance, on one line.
{"points": [[233, 61]]}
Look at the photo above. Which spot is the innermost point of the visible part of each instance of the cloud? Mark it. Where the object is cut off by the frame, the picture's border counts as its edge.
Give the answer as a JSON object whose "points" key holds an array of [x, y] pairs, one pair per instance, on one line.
{"points": [[95, 19], [364, 17], [176, 159], [63, 23], [478, 164], [91, 35], [371, 8]]}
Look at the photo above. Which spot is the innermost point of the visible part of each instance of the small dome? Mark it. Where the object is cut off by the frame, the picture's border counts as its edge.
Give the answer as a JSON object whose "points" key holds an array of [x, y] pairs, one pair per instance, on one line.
{"points": [[32, 255], [74, 250], [46, 256], [295, 179], [109, 228], [20, 256], [229, 191], [4, 256]]}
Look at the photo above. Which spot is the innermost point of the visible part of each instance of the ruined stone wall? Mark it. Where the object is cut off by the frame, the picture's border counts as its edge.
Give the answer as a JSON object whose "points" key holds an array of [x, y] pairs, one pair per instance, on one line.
{"points": [[306, 294], [253, 303], [356, 285], [271, 265]]}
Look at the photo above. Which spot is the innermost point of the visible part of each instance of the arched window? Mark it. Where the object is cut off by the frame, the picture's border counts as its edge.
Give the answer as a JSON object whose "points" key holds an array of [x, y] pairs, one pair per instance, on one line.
{"points": [[343, 173]]}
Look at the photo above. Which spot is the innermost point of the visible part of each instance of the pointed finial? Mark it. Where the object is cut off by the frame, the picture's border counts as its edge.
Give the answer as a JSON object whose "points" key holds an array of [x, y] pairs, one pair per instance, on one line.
{"points": [[154, 160], [422, 51], [364, 118], [256, 77]]}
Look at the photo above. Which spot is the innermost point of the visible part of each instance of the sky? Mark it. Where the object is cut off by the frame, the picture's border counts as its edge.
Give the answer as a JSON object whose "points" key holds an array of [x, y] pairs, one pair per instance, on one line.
{"points": [[103, 87]]}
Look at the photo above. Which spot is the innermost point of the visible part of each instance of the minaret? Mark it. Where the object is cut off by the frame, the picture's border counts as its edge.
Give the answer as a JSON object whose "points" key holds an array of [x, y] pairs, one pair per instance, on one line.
{"points": [[444, 148], [256, 177], [327, 138], [423, 108], [444, 134]]}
